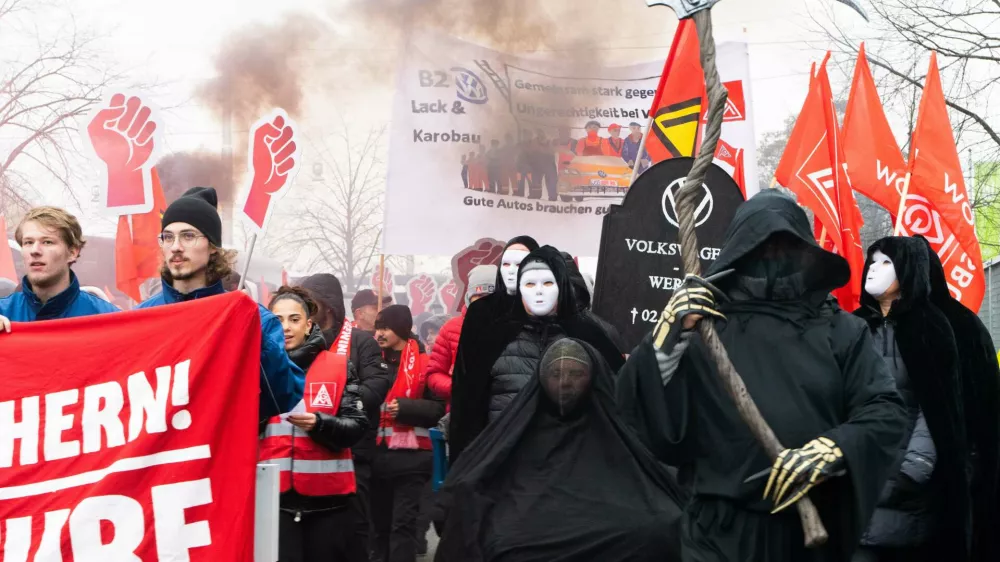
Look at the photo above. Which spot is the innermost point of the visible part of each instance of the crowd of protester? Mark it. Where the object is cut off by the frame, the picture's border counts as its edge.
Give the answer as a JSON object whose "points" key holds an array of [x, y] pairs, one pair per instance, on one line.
{"points": [[563, 444]]}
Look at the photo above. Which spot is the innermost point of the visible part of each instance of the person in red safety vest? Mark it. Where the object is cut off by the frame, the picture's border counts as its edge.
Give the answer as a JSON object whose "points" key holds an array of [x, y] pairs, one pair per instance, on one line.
{"points": [[403, 457], [612, 146], [590, 145], [312, 444]]}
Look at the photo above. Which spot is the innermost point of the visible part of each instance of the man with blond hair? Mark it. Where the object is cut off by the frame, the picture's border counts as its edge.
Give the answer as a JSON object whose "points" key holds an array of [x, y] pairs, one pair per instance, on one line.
{"points": [[51, 241]]}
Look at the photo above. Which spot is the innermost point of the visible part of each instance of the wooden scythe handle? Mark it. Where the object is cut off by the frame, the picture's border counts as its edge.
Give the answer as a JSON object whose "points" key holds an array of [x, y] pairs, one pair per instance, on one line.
{"points": [[812, 526]]}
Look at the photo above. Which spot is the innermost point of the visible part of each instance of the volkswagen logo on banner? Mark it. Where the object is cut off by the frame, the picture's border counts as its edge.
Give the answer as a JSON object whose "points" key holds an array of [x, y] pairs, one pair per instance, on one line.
{"points": [[469, 87], [703, 206], [639, 262]]}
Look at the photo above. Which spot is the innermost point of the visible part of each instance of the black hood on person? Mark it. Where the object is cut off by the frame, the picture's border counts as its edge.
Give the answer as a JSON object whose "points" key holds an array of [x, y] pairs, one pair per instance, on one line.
{"points": [[551, 258], [326, 289], [910, 260], [525, 489], [770, 241]]}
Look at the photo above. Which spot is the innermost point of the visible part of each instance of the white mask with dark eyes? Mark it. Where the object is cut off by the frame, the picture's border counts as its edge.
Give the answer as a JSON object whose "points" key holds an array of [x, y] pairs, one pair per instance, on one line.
{"points": [[509, 264], [539, 291], [881, 274]]}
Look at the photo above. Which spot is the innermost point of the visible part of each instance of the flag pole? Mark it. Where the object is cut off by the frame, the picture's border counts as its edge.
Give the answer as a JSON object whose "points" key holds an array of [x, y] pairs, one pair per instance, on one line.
{"points": [[774, 182], [898, 227], [381, 280], [822, 237], [642, 150], [246, 266]]}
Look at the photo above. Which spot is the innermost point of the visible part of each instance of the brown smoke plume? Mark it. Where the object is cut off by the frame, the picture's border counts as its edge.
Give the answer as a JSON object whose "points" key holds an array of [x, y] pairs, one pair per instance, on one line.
{"points": [[277, 65]]}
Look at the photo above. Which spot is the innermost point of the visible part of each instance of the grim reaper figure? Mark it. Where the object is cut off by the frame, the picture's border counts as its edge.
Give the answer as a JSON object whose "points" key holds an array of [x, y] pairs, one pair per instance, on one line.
{"points": [[811, 369]]}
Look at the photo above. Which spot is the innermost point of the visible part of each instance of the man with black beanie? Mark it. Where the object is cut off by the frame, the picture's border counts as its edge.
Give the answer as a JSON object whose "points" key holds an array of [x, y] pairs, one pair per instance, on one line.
{"points": [[375, 384], [194, 265], [403, 458]]}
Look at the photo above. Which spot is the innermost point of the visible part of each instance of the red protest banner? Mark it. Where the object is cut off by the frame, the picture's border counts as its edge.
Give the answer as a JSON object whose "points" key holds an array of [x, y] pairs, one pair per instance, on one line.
{"points": [[131, 436]]}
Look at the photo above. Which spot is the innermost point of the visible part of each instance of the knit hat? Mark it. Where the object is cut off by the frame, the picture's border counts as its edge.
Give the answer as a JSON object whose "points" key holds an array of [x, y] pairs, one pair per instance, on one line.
{"points": [[482, 282], [326, 288], [199, 208], [396, 318]]}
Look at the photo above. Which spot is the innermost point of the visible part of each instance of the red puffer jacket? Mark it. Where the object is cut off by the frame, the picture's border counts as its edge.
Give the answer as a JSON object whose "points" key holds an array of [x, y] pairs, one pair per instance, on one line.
{"points": [[442, 359]]}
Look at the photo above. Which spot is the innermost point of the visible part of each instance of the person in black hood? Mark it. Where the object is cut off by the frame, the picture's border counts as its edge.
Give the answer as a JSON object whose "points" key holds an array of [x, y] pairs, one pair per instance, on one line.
{"points": [[316, 519], [923, 513], [560, 478], [479, 323], [813, 373], [980, 375], [505, 359], [376, 380], [581, 290]]}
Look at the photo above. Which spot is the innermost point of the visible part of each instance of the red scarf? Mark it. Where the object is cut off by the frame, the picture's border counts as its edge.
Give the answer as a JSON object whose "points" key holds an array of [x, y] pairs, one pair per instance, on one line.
{"points": [[410, 381]]}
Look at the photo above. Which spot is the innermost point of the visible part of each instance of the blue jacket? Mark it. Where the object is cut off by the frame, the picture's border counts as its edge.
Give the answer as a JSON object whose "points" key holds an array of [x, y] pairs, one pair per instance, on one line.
{"points": [[278, 373], [71, 303]]}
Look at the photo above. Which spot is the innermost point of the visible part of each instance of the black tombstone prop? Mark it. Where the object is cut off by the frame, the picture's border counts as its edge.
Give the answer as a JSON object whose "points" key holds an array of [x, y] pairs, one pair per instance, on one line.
{"points": [[639, 264]]}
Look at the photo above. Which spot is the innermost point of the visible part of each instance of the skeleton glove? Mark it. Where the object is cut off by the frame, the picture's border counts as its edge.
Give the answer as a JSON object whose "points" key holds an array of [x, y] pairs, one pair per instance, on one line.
{"points": [[695, 296], [796, 471]]}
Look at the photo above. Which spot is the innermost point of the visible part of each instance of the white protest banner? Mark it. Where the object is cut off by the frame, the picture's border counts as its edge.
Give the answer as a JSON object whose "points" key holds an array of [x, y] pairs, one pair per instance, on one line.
{"points": [[484, 144]]}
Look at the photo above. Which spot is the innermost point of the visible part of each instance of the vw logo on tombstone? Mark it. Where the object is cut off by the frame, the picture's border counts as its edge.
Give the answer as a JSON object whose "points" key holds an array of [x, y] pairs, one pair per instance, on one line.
{"points": [[702, 210]]}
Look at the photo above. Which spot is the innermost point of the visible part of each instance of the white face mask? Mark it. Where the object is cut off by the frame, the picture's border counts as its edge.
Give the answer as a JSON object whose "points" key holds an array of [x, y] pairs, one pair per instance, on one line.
{"points": [[881, 274], [508, 268], [539, 292]]}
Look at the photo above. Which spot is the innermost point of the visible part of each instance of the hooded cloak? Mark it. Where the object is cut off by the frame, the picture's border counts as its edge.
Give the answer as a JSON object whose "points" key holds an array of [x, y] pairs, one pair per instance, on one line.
{"points": [[560, 480], [927, 347], [812, 372], [980, 376], [478, 353]]}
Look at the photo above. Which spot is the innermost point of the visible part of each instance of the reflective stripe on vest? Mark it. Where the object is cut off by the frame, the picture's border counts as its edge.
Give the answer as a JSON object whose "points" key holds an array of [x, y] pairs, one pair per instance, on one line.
{"points": [[306, 466]]}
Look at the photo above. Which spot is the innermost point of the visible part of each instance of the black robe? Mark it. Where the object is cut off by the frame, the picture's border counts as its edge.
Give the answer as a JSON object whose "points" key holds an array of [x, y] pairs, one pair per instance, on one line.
{"points": [[481, 346], [980, 375], [480, 319], [927, 346], [539, 488], [810, 368]]}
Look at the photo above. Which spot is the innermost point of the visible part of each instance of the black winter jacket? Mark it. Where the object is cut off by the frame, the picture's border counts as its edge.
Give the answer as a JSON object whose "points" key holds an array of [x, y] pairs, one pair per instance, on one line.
{"points": [[333, 432], [415, 412], [927, 348], [519, 362], [903, 514], [375, 381]]}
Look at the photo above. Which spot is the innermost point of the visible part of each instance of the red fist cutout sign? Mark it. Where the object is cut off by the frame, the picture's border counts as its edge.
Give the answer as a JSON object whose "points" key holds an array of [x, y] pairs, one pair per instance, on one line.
{"points": [[274, 157], [421, 291], [122, 133], [387, 285], [449, 296], [486, 251]]}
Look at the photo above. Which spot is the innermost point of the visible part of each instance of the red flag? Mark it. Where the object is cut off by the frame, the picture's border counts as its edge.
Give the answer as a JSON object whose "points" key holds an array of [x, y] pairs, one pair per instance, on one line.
{"points": [[126, 278], [875, 164], [813, 168], [154, 479], [265, 292], [680, 97], [740, 174], [7, 270], [937, 201], [734, 157], [145, 230]]}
